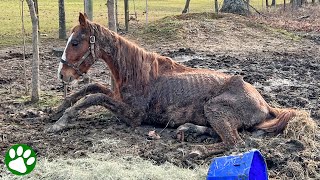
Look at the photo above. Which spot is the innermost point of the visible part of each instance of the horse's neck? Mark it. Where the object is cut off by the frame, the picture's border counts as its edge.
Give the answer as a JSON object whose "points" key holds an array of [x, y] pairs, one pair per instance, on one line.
{"points": [[129, 64], [134, 67]]}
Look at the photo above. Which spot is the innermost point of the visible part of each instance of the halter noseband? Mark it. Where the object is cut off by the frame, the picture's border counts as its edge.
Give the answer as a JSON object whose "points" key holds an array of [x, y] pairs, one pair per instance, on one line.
{"points": [[77, 65]]}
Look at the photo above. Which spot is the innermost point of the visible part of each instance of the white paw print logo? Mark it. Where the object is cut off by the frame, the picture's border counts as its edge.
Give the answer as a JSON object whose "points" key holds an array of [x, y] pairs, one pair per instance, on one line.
{"points": [[20, 159]]}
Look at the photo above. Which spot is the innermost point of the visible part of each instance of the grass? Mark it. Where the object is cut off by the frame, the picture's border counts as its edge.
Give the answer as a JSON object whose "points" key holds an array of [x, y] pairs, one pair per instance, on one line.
{"points": [[105, 166], [10, 29], [46, 100]]}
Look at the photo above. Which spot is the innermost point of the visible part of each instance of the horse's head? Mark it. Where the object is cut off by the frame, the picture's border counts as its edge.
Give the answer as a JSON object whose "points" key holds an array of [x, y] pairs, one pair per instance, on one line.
{"points": [[79, 53]]}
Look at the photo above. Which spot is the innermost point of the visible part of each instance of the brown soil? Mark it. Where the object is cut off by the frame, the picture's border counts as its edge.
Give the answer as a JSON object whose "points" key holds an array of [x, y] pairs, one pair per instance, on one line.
{"points": [[283, 66]]}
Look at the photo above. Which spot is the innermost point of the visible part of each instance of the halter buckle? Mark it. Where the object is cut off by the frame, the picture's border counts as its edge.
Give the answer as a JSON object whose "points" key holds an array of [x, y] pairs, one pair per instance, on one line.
{"points": [[92, 39]]}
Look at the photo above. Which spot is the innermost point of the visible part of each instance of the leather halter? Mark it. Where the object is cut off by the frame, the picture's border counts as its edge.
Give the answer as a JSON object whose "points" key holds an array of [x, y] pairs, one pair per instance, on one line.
{"points": [[90, 50]]}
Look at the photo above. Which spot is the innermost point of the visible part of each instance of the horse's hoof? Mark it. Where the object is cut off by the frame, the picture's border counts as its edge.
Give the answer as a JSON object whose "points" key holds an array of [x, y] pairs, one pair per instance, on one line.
{"points": [[55, 128], [195, 153]]}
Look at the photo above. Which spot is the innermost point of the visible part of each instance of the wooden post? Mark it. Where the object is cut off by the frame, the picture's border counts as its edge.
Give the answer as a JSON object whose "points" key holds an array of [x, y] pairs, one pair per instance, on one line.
{"points": [[111, 15], [273, 3], [116, 12], [146, 13], [24, 49], [267, 4], [112, 26], [126, 14], [88, 9], [35, 47], [284, 5], [62, 21], [216, 6], [248, 7]]}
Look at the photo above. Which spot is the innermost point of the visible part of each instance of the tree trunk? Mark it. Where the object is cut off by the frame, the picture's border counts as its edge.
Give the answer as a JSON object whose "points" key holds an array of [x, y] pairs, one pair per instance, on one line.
{"points": [[296, 4], [62, 21], [235, 7], [186, 7], [273, 3], [313, 1], [216, 6], [267, 4], [126, 14], [24, 49], [37, 11], [111, 15], [116, 9], [88, 9], [35, 51], [112, 25], [248, 6]]}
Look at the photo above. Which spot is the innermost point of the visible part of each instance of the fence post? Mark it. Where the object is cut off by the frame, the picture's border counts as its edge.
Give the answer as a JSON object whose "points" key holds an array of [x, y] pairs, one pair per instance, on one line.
{"points": [[62, 20], [88, 9], [216, 6], [126, 14]]}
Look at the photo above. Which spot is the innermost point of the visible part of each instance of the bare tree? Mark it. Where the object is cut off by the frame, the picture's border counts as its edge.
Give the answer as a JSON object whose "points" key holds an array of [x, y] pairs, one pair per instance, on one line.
{"points": [[62, 21], [186, 7], [111, 15], [35, 46]]}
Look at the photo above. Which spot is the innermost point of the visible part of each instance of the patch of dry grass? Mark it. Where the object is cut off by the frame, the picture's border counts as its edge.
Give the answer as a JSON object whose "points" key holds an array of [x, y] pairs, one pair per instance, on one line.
{"points": [[105, 166], [303, 128]]}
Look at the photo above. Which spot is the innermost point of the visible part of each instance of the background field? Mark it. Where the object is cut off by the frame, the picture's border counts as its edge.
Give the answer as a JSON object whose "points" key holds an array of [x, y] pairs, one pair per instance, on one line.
{"points": [[10, 18]]}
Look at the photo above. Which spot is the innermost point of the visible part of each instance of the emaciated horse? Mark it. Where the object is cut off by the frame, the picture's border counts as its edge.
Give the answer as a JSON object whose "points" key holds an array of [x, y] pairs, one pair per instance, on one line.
{"points": [[154, 89]]}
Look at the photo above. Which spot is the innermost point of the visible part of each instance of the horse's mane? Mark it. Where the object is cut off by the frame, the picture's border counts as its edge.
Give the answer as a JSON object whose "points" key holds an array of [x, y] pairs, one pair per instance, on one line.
{"points": [[135, 65]]}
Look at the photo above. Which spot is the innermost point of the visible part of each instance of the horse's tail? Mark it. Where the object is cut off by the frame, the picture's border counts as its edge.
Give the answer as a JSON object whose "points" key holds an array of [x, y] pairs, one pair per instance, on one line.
{"points": [[279, 122]]}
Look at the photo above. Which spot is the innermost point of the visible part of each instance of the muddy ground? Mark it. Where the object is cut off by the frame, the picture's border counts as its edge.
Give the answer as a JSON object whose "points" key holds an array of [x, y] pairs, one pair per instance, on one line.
{"points": [[283, 66]]}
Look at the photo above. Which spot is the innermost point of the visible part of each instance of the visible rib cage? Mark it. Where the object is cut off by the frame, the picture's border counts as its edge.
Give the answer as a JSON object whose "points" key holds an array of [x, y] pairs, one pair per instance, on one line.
{"points": [[184, 89]]}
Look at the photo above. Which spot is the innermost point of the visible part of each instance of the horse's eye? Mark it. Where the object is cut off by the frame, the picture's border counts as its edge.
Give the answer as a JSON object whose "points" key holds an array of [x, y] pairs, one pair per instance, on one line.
{"points": [[74, 42]]}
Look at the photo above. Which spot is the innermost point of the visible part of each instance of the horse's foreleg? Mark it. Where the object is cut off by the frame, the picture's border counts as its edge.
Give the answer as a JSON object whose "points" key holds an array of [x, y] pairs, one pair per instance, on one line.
{"points": [[72, 99], [130, 115]]}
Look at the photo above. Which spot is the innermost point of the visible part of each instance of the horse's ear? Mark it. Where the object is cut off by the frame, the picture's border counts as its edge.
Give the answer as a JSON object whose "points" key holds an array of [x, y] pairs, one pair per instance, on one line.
{"points": [[82, 20]]}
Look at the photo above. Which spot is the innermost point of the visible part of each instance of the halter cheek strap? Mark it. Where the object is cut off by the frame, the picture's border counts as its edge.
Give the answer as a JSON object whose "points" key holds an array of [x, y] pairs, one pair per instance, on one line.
{"points": [[90, 50]]}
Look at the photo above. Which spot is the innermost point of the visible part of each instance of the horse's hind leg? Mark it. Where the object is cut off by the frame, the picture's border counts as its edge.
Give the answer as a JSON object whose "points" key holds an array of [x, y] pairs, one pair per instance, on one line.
{"points": [[72, 99], [131, 116], [196, 130], [224, 120]]}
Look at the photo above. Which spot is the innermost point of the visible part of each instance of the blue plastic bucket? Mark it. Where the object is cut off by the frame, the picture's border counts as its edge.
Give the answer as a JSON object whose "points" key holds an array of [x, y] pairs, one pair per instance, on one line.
{"points": [[247, 166]]}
